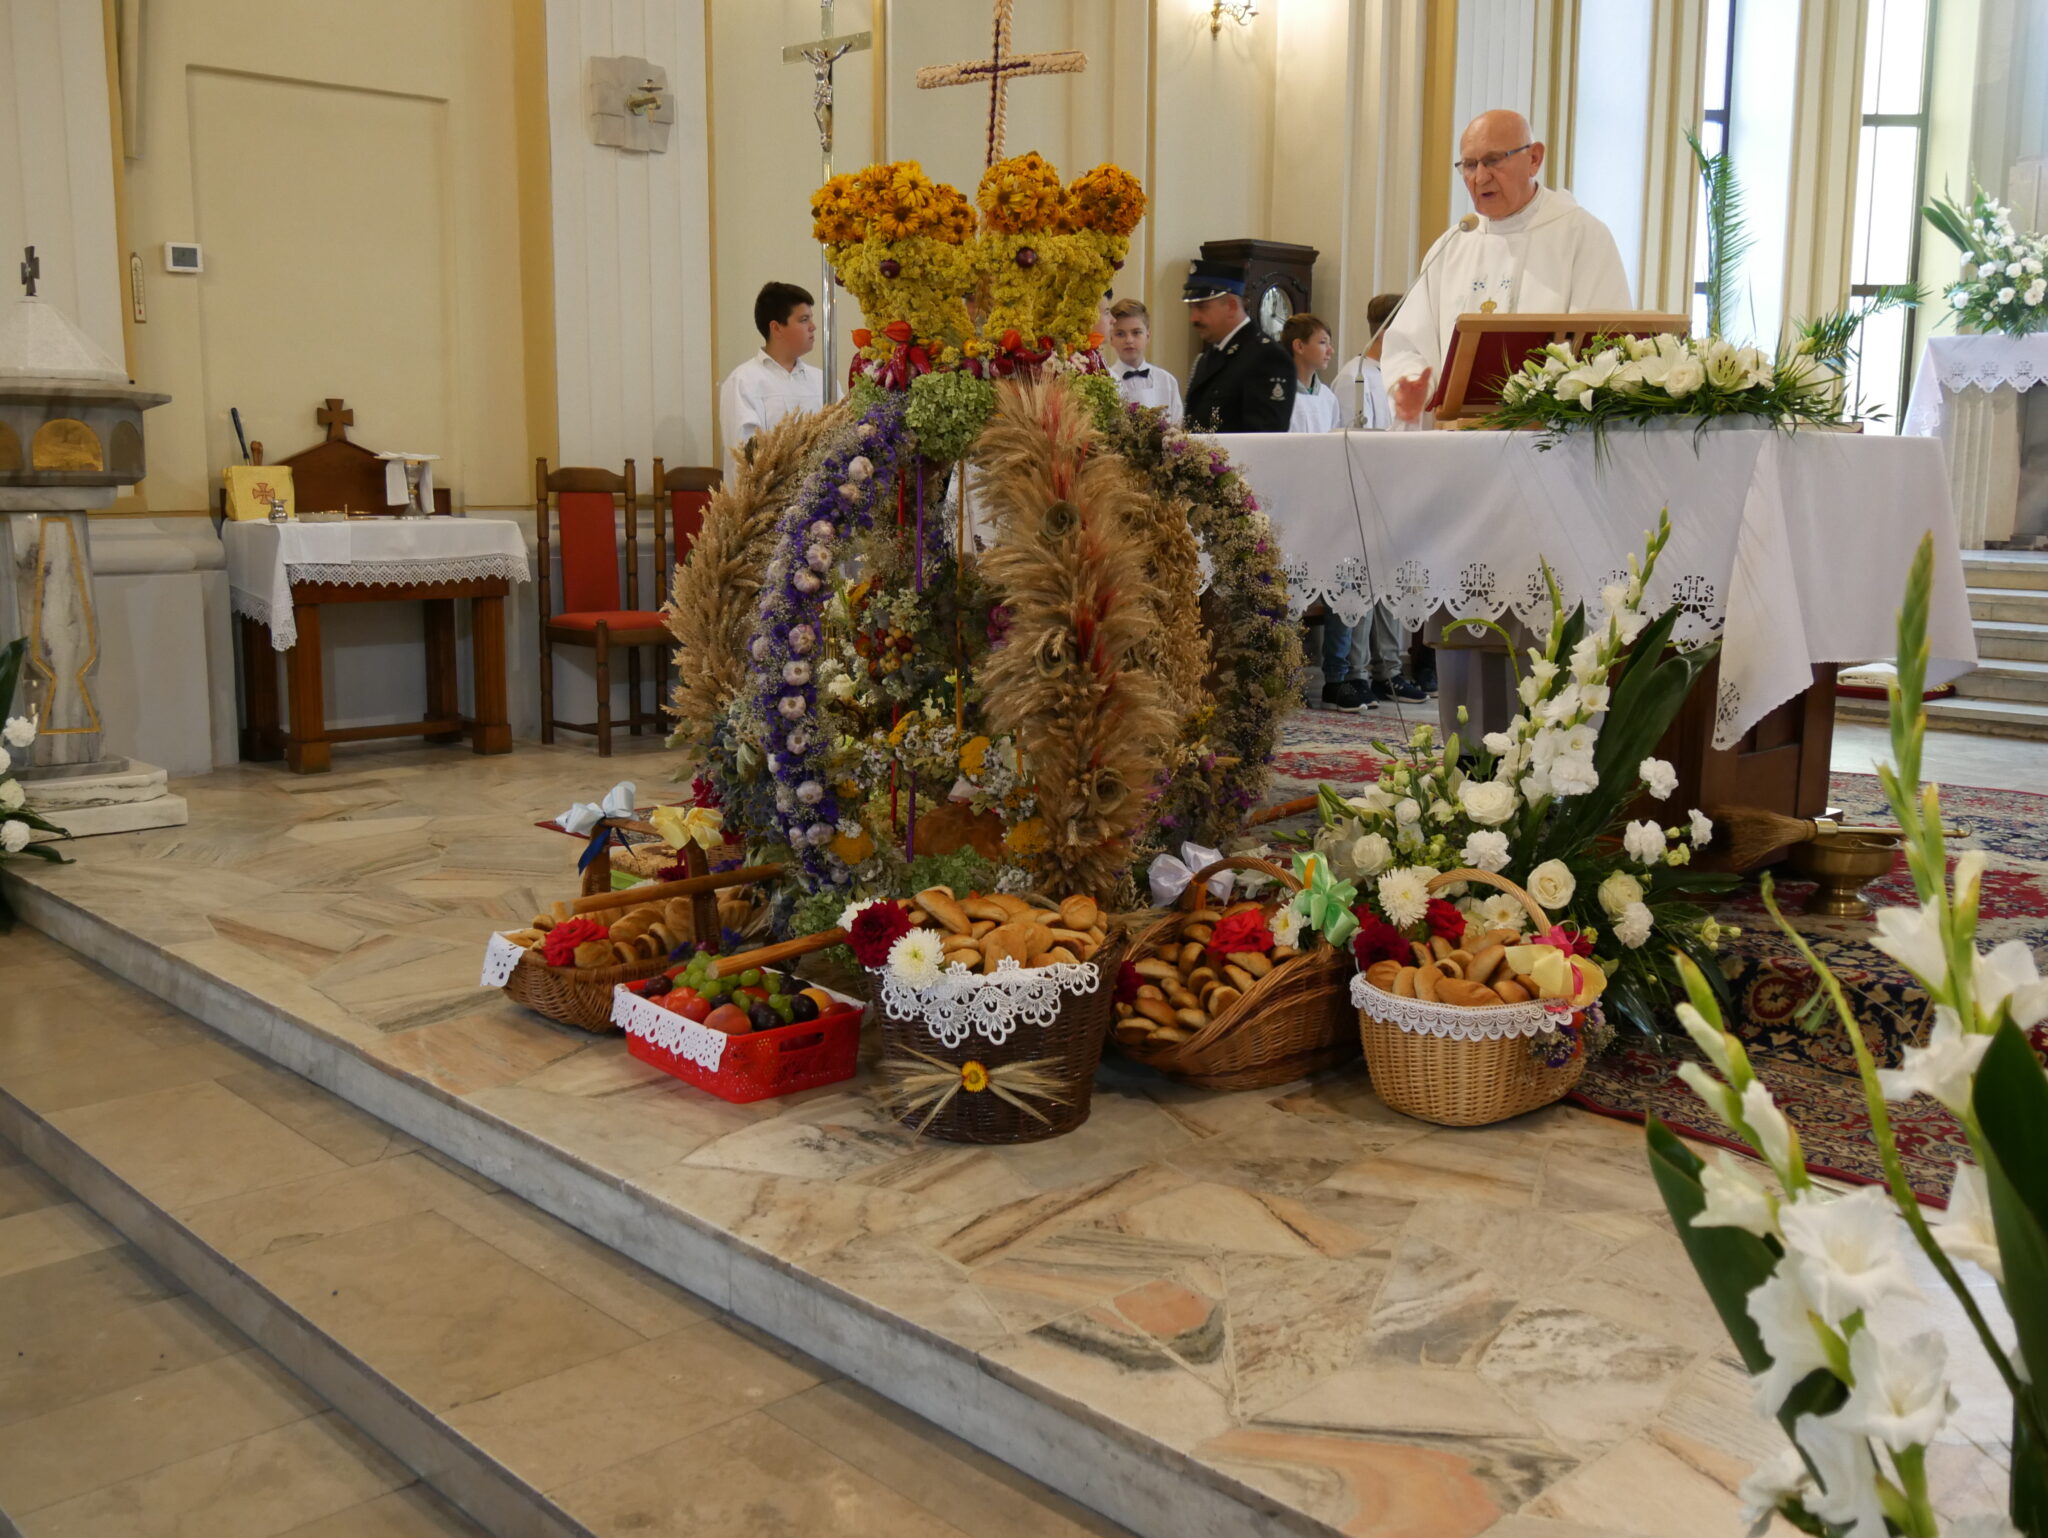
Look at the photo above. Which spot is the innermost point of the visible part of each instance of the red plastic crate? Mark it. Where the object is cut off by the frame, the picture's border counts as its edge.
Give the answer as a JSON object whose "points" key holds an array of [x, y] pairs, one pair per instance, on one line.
{"points": [[762, 1064]]}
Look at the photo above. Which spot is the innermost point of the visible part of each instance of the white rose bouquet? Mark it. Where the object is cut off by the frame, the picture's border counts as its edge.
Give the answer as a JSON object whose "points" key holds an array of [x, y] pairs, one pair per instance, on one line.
{"points": [[1803, 1277], [18, 821], [1546, 804], [2004, 286]]}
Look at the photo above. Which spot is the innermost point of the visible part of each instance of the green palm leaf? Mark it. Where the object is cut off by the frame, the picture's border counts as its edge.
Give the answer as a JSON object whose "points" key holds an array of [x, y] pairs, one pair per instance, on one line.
{"points": [[1727, 241]]}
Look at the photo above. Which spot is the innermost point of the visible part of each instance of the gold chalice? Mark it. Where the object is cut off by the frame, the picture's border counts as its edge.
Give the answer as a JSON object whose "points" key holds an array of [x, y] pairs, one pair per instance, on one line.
{"points": [[1840, 867]]}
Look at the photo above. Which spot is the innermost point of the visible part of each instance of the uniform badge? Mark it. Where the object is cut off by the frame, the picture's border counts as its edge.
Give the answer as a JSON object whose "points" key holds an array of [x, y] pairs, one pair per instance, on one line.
{"points": [[1279, 390]]}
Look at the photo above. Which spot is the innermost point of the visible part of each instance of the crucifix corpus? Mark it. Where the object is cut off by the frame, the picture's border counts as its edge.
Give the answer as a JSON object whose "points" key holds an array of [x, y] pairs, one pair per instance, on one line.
{"points": [[997, 71], [822, 55]]}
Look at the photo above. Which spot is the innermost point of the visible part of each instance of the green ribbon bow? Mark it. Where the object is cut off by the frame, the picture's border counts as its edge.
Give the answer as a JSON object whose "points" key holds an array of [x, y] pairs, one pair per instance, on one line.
{"points": [[1325, 901]]}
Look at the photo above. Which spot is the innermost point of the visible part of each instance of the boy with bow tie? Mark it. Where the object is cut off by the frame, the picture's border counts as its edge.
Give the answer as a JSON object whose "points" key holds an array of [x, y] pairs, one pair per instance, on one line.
{"points": [[1138, 382]]}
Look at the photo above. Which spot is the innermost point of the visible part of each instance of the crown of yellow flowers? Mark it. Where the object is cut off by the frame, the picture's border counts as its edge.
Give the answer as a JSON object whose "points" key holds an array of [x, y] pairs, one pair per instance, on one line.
{"points": [[1107, 200], [1022, 195]]}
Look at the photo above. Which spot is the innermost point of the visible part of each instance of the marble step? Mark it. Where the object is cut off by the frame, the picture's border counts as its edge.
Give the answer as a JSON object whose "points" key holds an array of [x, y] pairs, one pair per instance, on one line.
{"points": [[2012, 640], [1998, 718], [1104, 1455], [2006, 680], [2006, 568], [544, 1385], [2024, 604]]}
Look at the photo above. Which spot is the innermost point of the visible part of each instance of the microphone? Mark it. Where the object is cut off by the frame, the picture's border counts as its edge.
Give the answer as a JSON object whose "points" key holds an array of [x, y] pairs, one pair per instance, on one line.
{"points": [[1464, 226]]}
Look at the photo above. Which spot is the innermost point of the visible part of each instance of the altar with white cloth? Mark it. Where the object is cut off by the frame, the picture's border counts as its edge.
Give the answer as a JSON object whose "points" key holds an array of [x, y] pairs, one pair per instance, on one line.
{"points": [[1977, 394], [1791, 546]]}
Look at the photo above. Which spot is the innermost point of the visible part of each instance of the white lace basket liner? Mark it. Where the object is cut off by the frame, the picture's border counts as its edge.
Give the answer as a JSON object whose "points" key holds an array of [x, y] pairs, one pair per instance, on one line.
{"points": [[960, 1003], [1458, 1022], [664, 1028], [501, 957]]}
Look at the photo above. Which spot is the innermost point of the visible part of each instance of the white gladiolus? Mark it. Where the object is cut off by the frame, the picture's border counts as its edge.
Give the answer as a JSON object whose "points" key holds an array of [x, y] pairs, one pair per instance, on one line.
{"points": [[1486, 849], [1709, 1038], [1848, 1478], [2008, 976], [1659, 778], [1901, 1395], [1965, 1229], [1945, 1068], [1735, 1198], [1553, 885], [1846, 1251], [1912, 937], [1773, 1133], [1371, 801], [14, 835], [1783, 1316], [1633, 927], [1784, 1478], [1643, 842], [1617, 892]]}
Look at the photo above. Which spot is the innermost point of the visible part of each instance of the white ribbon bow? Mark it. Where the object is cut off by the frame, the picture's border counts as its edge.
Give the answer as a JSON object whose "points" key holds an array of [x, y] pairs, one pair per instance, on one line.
{"points": [[586, 815], [1170, 877]]}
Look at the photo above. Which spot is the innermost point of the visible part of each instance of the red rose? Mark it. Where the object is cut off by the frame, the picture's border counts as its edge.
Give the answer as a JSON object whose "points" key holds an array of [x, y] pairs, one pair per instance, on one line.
{"points": [[1377, 940], [1243, 931], [875, 928], [559, 948], [1128, 982], [1444, 920]]}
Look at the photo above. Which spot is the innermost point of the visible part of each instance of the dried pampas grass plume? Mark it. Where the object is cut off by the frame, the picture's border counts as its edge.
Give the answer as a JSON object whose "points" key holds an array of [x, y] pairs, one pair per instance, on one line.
{"points": [[1093, 725], [713, 596]]}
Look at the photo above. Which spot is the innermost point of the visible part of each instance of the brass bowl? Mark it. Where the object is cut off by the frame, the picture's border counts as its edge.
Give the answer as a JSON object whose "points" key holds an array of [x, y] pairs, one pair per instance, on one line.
{"points": [[1840, 865]]}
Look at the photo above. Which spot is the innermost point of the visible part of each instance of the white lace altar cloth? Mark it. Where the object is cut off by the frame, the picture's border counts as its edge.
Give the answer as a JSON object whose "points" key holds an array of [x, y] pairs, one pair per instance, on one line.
{"points": [[265, 559], [1425, 1017], [1955, 363], [666, 1029], [1792, 546], [990, 1005]]}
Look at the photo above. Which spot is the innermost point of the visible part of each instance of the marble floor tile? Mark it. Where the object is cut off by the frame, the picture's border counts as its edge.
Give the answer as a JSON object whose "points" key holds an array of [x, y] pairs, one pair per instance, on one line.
{"points": [[191, 1144], [255, 1488], [413, 1512], [1295, 1320], [62, 1453], [787, 1218], [1372, 1489], [1099, 1359], [437, 1309], [1228, 1218], [1588, 1381], [293, 1212], [911, 1280], [101, 1283], [940, 1473], [24, 1188], [49, 1234], [1609, 1495], [1435, 1308], [322, 1119], [75, 1354], [84, 1082], [475, 1051]]}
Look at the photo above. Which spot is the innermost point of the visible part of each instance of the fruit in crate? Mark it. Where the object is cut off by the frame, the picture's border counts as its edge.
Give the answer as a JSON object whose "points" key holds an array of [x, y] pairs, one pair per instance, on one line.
{"points": [[1495, 966], [1215, 957], [981, 931]]}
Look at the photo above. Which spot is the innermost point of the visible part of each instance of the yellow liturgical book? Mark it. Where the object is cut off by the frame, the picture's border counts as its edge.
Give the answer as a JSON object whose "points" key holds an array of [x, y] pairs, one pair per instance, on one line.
{"points": [[252, 488]]}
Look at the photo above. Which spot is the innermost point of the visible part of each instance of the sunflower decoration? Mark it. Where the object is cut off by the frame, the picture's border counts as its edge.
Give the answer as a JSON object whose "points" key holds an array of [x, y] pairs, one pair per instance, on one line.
{"points": [[836, 212], [1021, 195], [905, 263], [1101, 209]]}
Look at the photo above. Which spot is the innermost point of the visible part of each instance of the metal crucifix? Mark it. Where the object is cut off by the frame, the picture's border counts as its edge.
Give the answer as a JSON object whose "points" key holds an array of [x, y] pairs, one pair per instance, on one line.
{"points": [[997, 71], [822, 56]]}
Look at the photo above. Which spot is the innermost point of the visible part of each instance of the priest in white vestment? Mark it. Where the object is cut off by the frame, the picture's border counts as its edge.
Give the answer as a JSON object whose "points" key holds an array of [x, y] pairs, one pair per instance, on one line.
{"points": [[1531, 249]]}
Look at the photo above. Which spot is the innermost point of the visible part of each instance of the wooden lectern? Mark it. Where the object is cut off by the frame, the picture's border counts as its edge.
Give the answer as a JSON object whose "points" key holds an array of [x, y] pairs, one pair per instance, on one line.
{"points": [[1487, 347]]}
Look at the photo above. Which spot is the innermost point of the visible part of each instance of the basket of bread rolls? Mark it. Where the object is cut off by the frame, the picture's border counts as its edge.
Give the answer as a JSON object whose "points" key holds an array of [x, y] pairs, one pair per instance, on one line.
{"points": [[1473, 1029], [993, 1007], [1212, 999], [573, 955]]}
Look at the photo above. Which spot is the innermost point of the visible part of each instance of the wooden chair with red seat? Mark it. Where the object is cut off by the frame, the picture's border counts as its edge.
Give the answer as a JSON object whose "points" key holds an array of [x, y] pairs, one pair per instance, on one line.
{"points": [[593, 614], [685, 492]]}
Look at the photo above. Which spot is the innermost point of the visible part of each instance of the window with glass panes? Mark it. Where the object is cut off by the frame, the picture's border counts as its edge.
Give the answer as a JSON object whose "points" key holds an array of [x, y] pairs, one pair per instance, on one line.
{"points": [[1718, 95], [1890, 170]]}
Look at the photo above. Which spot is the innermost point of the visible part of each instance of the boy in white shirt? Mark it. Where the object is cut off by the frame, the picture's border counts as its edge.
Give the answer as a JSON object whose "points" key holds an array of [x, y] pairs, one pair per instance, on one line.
{"points": [[1358, 383], [775, 382], [1138, 382], [1317, 410]]}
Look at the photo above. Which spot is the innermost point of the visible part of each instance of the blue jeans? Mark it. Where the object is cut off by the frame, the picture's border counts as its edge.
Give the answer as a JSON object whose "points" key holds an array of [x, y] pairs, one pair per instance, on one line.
{"points": [[1340, 643]]}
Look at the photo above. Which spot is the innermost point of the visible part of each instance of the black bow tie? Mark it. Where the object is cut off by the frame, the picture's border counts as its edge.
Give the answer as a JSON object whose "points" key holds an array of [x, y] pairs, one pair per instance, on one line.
{"points": [[1137, 373]]}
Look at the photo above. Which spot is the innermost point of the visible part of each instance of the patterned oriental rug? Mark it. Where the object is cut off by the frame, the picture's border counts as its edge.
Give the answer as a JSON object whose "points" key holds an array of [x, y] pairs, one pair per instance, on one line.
{"points": [[1811, 1073]]}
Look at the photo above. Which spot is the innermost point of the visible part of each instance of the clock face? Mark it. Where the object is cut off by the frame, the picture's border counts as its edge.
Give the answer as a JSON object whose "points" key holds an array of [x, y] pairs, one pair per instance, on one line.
{"points": [[1274, 311]]}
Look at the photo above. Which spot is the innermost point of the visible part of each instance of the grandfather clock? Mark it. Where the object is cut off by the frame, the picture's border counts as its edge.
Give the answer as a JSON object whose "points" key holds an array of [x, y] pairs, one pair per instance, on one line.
{"points": [[1276, 277]]}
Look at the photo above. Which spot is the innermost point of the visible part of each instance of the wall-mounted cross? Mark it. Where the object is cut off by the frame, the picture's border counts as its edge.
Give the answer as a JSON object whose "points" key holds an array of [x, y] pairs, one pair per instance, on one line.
{"points": [[31, 269], [998, 70], [332, 417]]}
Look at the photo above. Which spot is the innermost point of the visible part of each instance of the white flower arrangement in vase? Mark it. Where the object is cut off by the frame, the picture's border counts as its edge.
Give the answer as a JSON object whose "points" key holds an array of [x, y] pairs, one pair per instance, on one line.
{"points": [[2004, 286], [1800, 1275], [1544, 803]]}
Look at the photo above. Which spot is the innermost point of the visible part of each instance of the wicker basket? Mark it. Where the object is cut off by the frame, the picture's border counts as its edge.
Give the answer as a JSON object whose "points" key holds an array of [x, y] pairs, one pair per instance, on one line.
{"points": [[1292, 1022], [582, 996], [1461, 1067], [1072, 1042]]}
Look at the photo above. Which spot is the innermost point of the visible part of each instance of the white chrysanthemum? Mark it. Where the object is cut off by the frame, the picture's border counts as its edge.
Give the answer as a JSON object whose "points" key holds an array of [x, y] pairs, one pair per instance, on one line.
{"points": [[1404, 895], [14, 835], [1486, 849], [917, 957], [1286, 926], [1633, 927], [1659, 778], [1502, 912], [1846, 1250], [1574, 776], [1643, 842]]}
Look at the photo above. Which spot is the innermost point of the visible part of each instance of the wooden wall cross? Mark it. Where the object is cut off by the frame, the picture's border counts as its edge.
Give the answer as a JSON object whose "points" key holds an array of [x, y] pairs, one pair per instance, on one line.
{"points": [[998, 70], [335, 419]]}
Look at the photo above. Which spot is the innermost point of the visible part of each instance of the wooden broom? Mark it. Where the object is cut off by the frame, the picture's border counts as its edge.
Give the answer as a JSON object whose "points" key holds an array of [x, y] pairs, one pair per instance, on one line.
{"points": [[1752, 833]]}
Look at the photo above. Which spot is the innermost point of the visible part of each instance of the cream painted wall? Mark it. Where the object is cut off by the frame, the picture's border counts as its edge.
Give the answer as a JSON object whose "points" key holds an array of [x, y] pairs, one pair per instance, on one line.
{"points": [[352, 171]]}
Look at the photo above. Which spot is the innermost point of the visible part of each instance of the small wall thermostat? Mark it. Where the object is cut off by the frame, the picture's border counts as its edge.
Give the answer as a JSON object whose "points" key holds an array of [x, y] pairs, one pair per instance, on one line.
{"points": [[183, 256]]}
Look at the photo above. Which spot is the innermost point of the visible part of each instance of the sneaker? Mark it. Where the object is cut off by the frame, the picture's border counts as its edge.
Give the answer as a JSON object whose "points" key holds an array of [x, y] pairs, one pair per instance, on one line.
{"points": [[1401, 688], [1426, 682], [1347, 695]]}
